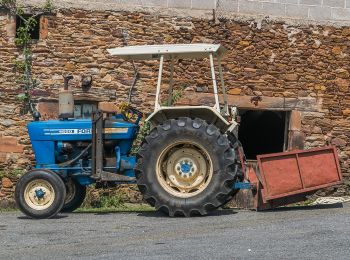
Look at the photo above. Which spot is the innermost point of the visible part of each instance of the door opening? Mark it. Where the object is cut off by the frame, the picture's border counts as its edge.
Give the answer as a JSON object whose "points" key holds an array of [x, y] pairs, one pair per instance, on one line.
{"points": [[262, 132]]}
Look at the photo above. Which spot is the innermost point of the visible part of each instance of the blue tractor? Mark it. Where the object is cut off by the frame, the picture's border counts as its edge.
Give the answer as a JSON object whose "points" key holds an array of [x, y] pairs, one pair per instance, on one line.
{"points": [[187, 165]]}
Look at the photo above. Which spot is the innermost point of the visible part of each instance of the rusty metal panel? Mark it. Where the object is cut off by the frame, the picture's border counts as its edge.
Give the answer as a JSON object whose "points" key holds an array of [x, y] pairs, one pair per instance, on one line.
{"points": [[299, 171]]}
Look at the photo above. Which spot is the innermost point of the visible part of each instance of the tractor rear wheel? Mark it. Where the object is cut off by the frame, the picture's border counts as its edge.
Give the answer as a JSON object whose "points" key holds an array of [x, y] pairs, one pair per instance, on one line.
{"points": [[75, 195], [40, 193], [186, 167]]}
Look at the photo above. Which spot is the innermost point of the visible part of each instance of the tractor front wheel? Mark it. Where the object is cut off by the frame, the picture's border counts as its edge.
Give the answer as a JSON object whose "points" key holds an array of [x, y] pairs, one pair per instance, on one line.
{"points": [[40, 194], [186, 167], [75, 195]]}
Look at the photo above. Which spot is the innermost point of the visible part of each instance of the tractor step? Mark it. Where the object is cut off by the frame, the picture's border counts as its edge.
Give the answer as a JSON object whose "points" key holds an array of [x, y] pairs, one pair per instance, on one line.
{"points": [[109, 176]]}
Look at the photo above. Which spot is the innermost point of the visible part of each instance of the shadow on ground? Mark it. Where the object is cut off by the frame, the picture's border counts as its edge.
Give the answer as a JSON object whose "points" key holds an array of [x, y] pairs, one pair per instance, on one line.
{"points": [[55, 217], [158, 214], [309, 207], [216, 213]]}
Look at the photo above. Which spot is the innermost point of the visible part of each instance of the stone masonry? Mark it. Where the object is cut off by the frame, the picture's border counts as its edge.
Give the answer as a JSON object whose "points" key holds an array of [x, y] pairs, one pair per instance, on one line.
{"points": [[291, 67], [335, 11]]}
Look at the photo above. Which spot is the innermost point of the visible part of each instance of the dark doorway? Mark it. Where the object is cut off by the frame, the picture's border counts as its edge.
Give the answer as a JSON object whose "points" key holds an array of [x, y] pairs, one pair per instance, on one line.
{"points": [[262, 132], [35, 32]]}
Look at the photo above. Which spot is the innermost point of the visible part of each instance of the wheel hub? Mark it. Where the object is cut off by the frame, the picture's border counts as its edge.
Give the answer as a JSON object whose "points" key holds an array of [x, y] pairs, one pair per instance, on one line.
{"points": [[186, 167], [185, 171], [39, 194]]}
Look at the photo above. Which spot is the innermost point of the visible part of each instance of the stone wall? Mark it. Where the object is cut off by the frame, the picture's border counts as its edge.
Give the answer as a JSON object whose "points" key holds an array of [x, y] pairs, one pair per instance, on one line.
{"points": [[334, 11], [6, 192], [289, 67], [14, 149]]}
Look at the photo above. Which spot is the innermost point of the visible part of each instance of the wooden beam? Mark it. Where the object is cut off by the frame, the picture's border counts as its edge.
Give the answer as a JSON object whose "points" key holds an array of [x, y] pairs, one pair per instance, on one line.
{"points": [[253, 102]]}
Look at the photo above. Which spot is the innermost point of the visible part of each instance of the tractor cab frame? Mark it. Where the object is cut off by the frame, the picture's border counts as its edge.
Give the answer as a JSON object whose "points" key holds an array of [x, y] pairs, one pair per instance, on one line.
{"points": [[173, 52]]}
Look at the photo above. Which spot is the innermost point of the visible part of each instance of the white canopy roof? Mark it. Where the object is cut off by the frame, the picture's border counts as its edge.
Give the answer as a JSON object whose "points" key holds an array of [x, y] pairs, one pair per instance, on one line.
{"points": [[175, 51]]}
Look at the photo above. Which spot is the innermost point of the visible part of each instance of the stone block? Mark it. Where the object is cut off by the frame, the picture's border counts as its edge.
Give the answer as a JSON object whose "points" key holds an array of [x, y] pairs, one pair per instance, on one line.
{"points": [[291, 77], [7, 109], [297, 11], [295, 120], [6, 183], [203, 4], [7, 122], [108, 78], [341, 14], [157, 3], [339, 142], [289, 1], [48, 110], [179, 3], [234, 91], [8, 144], [337, 50], [311, 2], [44, 27], [334, 3], [250, 7], [346, 112], [228, 5], [11, 26], [2, 157], [7, 204], [343, 84], [347, 3], [275, 9], [2, 195], [130, 2], [296, 140], [109, 107], [320, 13]]}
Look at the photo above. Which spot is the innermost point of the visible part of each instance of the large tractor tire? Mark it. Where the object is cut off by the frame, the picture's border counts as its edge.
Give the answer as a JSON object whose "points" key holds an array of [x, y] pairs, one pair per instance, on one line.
{"points": [[40, 194], [186, 167], [75, 195]]}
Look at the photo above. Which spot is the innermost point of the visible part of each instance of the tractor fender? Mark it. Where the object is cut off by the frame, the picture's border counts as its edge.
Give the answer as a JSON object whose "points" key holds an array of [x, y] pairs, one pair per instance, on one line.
{"points": [[209, 114]]}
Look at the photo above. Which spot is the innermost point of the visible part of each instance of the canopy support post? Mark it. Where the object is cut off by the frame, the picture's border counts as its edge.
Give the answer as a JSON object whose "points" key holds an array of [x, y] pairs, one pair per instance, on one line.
{"points": [[157, 105], [215, 87], [171, 82], [226, 112]]}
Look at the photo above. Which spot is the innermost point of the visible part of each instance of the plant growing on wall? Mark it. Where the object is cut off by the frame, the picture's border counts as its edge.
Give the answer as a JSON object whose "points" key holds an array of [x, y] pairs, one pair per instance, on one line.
{"points": [[26, 81], [146, 125]]}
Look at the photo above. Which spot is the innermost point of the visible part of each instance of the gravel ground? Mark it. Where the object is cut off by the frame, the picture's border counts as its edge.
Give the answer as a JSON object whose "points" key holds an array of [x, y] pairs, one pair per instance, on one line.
{"points": [[306, 232]]}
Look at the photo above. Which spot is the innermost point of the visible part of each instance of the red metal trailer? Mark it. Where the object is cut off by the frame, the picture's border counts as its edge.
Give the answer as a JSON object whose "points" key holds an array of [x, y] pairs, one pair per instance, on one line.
{"points": [[287, 177]]}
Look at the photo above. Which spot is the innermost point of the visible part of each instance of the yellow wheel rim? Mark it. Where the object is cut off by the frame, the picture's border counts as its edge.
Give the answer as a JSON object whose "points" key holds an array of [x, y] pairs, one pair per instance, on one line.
{"points": [[184, 169], [39, 194]]}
